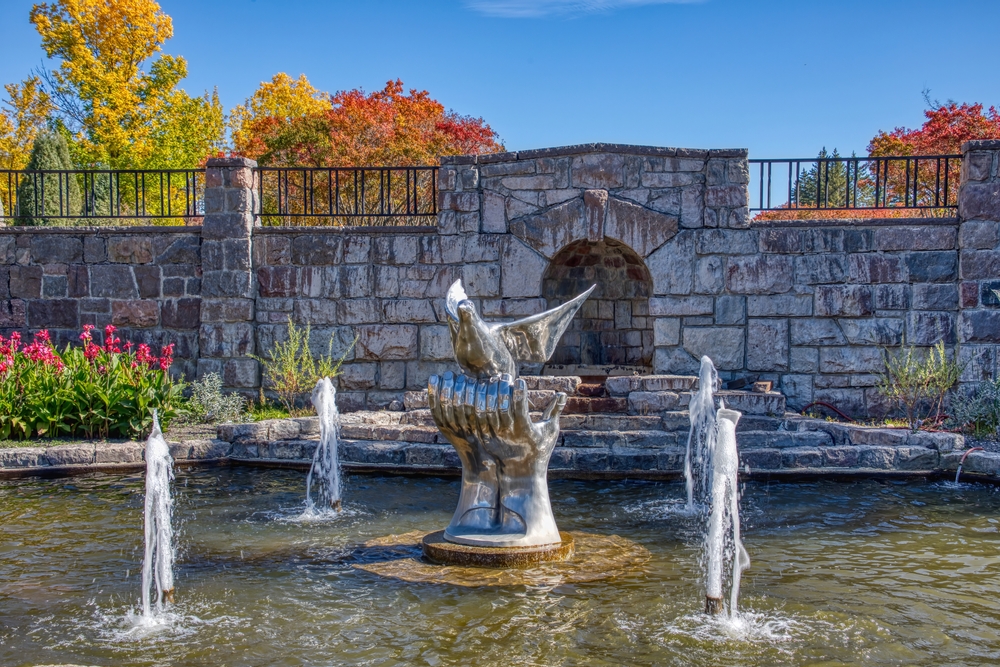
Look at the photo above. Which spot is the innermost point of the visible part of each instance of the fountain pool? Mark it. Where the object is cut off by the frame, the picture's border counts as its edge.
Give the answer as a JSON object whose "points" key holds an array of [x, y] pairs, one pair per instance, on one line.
{"points": [[843, 573]]}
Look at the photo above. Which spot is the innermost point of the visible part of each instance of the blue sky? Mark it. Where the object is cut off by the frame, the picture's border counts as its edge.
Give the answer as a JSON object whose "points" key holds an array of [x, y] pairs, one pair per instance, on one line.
{"points": [[780, 77]]}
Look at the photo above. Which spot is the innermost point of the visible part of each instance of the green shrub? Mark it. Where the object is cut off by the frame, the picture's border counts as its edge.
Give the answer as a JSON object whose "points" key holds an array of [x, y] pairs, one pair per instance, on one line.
{"points": [[208, 405], [919, 381], [292, 370], [42, 195], [92, 391], [977, 412]]}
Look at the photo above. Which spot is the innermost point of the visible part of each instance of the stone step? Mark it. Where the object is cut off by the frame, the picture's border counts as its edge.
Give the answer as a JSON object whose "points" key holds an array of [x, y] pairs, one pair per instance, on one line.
{"points": [[623, 439], [584, 405], [625, 384], [753, 403]]}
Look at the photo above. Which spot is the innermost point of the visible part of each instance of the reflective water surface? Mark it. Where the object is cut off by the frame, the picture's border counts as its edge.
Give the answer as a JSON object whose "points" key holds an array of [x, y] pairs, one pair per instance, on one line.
{"points": [[843, 573]]}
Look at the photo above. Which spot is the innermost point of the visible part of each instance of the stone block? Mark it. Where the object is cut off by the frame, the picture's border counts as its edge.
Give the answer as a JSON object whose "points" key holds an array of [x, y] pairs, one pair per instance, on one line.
{"points": [[640, 228], [386, 342], [767, 345], [978, 235], [598, 170], [415, 400], [130, 249], [227, 340], [728, 196], [726, 242], [841, 457], [709, 276], [801, 457], [12, 314], [883, 437], [481, 280], [759, 274], [126, 452], [816, 332], [935, 297], [435, 344], [980, 264], [177, 250], [135, 313], [672, 265], [928, 328], [277, 281], [932, 267], [67, 455], [317, 249], [184, 313], [22, 457], [667, 331], [979, 201], [850, 360], [25, 282], [556, 228], [407, 311], [725, 346], [803, 360], [980, 326], [680, 306], [844, 300], [796, 305], [917, 237], [815, 269], [228, 284], [651, 402], [242, 373], [782, 241], [760, 459], [753, 403], [54, 287], [877, 331], [50, 249], [892, 297], [52, 314], [395, 250]]}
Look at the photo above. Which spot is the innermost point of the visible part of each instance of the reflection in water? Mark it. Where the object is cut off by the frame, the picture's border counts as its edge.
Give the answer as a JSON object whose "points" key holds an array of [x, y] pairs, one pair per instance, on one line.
{"points": [[844, 574]]}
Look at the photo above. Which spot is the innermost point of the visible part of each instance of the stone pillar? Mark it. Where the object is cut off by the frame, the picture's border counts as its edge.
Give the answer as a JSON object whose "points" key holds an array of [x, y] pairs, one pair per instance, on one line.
{"points": [[228, 284], [979, 243]]}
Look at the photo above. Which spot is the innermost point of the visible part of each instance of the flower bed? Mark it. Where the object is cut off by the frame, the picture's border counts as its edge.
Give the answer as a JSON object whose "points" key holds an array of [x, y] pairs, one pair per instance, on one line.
{"points": [[93, 391]]}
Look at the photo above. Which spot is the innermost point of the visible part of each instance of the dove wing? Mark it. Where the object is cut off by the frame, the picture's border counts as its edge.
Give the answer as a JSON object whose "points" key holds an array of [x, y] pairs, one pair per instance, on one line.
{"points": [[534, 338]]}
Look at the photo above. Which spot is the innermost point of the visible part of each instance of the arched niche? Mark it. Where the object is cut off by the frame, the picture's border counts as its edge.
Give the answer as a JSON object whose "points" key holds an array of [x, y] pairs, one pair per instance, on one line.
{"points": [[613, 326]]}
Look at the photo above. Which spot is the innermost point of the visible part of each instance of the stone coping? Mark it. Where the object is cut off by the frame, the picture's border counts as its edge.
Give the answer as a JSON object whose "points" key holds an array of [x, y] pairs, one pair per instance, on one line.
{"points": [[124, 229], [353, 229], [795, 447], [580, 149], [853, 222]]}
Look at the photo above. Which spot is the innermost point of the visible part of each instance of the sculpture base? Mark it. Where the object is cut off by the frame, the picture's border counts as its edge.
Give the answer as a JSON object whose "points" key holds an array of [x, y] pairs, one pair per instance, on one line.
{"points": [[443, 552]]}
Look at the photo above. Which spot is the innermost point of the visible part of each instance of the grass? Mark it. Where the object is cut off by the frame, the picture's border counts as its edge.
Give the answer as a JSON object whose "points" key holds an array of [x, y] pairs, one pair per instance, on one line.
{"points": [[260, 412]]}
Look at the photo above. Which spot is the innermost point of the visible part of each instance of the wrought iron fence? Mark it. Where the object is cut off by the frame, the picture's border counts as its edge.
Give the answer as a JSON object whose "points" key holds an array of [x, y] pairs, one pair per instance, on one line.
{"points": [[162, 196], [924, 184], [347, 196]]}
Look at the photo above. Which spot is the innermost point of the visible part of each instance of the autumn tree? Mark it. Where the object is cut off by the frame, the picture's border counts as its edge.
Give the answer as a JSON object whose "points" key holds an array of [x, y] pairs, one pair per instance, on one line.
{"points": [[22, 121], [947, 127], [118, 92], [386, 127], [276, 103]]}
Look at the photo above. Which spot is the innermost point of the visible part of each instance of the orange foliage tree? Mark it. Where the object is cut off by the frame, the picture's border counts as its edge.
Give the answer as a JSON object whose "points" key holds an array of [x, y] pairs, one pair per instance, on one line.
{"points": [[385, 128], [947, 127]]}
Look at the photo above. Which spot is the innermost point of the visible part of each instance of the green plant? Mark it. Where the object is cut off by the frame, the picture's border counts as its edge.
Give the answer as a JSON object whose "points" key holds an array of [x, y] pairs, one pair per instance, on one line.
{"points": [[292, 370], [918, 379], [93, 391], [977, 412], [41, 195], [208, 405]]}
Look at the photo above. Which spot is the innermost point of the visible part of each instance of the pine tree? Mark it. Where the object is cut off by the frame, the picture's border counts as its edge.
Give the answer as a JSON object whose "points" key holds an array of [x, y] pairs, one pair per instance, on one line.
{"points": [[48, 198]]}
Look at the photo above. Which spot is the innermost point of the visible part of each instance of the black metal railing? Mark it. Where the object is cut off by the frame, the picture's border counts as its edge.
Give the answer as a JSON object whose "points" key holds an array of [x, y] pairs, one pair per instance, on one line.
{"points": [[50, 197], [347, 196], [928, 184]]}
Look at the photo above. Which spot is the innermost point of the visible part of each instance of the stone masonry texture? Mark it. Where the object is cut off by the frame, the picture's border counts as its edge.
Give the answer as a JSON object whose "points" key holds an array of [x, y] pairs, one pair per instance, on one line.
{"points": [[665, 233]]}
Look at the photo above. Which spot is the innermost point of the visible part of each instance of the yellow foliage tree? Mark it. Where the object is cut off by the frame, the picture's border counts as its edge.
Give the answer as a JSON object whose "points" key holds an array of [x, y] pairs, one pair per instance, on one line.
{"points": [[278, 101], [22, 121], [128, 115]]}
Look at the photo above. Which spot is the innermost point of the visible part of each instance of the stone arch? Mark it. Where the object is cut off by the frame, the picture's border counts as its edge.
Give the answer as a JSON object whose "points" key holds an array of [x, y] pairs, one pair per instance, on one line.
{"points": [[613, 326]]}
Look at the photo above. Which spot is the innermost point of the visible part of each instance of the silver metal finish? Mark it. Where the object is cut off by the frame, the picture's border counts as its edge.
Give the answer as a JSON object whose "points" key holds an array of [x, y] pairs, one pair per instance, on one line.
{"points": [[485, 415]]}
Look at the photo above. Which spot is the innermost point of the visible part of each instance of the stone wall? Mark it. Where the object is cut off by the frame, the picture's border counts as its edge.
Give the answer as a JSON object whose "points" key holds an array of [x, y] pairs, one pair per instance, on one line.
{"points": [[144, 280], [665, 232]]}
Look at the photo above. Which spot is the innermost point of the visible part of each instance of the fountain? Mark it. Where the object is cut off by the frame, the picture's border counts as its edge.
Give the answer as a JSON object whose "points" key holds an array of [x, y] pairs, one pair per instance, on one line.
{"points": [[158, 562], [504, 516], [711, 467], [325, 467]]}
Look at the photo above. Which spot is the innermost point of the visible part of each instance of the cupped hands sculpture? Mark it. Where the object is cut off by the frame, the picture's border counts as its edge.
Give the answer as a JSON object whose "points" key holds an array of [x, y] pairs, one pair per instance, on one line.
{"points": [[504, 500]]}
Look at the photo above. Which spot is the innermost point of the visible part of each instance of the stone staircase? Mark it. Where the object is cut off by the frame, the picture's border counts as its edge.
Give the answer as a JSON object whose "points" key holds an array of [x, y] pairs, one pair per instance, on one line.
{"points": [[623, 424]]}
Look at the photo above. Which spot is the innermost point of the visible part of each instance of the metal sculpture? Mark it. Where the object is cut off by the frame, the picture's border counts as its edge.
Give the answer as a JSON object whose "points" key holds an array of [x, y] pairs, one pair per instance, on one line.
{"points": [[485, 415]]}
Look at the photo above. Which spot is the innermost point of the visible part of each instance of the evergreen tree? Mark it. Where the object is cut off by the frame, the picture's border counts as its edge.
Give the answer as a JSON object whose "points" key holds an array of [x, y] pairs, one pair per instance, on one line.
{"points": [[43, 196]]}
